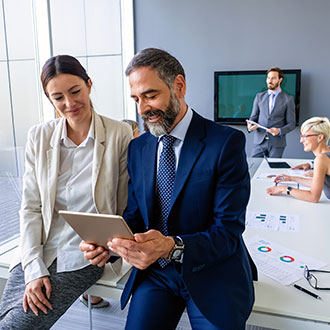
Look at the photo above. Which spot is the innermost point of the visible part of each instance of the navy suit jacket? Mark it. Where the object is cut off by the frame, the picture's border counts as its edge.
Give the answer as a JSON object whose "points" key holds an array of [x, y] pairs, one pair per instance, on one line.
{"points": [[210, 194]]}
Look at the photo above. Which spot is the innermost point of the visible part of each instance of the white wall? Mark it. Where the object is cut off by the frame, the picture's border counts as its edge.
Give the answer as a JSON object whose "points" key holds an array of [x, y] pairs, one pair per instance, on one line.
{"points": [[223, 35]]}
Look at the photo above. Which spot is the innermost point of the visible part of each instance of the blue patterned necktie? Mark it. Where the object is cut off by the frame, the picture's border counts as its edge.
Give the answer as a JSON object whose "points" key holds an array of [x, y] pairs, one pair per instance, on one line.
{"points": [[164, 186]]}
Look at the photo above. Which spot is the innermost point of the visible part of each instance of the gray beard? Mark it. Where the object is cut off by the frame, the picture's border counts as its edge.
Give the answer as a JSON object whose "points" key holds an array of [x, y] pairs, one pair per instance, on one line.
{"points": [[168, 117]]}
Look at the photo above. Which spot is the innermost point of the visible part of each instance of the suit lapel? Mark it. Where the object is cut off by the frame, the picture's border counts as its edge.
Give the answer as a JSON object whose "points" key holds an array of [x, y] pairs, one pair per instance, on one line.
{"points": [[278, 101], [265, 102], [149, 166], [53, 162], [191, 149], [99, 134]]}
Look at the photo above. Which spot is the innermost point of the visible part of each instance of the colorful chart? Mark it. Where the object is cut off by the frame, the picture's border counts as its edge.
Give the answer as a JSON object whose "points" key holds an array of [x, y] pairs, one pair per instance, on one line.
{"points": [[264, 249], [287, 259]]}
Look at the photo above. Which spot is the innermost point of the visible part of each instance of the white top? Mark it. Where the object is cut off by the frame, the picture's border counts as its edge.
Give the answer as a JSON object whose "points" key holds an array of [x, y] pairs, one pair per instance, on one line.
{"points": [[73, 193], [179, 132]]}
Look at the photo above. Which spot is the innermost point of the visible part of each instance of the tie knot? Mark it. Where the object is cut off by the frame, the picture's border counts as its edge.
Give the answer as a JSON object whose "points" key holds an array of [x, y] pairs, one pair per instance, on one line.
{"points": [[168, 141]]}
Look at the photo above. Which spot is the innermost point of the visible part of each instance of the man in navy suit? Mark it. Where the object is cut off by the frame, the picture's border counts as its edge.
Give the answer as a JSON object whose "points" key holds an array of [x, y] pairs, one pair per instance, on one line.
{"points": [[274, 110], [207, 268]]}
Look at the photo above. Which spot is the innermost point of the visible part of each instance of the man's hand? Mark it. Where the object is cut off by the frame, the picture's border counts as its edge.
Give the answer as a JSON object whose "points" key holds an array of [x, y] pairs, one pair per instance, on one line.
{"points": [[251, 127], [145, 250], [304, 167], [273, 131], [34, 296], [97, 255]]}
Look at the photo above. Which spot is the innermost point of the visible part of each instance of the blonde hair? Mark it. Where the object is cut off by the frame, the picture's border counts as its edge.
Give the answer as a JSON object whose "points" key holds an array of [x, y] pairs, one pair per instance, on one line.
{"points": [[319, 125]]}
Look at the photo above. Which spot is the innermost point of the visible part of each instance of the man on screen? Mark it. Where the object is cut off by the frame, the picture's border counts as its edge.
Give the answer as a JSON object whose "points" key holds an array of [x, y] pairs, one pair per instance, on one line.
{"points": [[275, 111]]}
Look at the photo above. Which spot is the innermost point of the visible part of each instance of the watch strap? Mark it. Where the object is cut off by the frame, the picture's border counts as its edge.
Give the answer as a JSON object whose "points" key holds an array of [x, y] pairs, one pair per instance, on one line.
{"points": [[178, 246]]}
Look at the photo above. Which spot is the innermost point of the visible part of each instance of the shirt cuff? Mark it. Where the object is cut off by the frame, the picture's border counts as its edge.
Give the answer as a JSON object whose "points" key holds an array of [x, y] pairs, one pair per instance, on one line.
{"points": [[280, 132], [35, 269]]}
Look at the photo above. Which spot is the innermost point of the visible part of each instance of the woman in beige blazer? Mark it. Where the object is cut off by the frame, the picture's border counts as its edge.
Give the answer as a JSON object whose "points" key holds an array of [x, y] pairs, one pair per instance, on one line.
{"points": [[76, 162]]}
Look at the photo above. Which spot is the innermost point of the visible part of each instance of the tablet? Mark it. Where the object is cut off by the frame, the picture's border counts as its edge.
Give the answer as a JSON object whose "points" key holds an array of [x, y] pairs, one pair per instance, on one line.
{"points": [[97, 228]]}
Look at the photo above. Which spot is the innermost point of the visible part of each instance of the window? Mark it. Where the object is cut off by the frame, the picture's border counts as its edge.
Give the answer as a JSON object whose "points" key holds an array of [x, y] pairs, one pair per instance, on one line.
{"points": [[98, 32]]}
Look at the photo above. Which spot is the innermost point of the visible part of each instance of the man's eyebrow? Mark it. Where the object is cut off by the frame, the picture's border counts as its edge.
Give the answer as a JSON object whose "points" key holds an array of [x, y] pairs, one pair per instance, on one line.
{"points": [[148, 91]]}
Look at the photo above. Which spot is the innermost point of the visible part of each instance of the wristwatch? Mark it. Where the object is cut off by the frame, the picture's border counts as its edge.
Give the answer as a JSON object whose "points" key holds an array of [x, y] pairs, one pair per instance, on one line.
{"points": [[178, 249], [288, 190]]}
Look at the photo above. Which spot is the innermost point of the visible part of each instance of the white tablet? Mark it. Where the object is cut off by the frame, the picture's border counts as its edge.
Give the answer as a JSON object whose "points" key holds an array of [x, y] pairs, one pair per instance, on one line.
{"points": [[97, 228]]}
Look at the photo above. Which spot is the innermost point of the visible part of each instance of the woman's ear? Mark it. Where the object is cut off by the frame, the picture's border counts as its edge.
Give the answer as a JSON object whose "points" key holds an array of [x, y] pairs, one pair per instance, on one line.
{"points": [[320, 138], [89, 84]]}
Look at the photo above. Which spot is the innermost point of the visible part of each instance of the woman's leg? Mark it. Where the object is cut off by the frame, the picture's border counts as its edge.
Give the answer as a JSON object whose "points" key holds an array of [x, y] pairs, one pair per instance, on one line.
{"points": [[66, 288]]}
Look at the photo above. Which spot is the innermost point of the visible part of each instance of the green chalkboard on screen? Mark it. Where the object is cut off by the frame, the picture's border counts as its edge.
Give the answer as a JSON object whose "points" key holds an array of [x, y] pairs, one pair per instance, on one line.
{"points": [[234, 92]]}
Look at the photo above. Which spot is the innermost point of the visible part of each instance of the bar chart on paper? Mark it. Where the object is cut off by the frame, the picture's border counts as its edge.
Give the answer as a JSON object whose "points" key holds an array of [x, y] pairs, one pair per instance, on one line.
{"points": [[273, 221]]}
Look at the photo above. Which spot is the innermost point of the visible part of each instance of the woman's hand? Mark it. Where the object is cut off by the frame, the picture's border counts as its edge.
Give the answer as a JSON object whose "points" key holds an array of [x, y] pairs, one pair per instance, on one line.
{"points": [[309, 174], [97, 255], [276, 190], [282, 177], [34, 296], [304, 167]]}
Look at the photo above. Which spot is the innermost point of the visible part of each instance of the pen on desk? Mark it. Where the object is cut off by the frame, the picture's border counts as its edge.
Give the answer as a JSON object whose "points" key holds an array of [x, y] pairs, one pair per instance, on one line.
{"points": [[306, 291]]}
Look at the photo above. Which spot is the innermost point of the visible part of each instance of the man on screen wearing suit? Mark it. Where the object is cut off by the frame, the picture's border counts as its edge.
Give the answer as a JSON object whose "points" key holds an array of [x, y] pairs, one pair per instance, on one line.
{"points": [[274, 110], [188, 190]]}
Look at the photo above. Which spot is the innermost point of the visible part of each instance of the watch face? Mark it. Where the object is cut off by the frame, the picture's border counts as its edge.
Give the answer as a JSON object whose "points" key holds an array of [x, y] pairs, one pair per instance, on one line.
{"points": [[177, 254]]}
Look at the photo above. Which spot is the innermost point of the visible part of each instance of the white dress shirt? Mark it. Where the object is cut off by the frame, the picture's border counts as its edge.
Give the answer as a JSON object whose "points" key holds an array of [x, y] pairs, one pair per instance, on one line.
{"points": [[179, 132], [73, 193]]}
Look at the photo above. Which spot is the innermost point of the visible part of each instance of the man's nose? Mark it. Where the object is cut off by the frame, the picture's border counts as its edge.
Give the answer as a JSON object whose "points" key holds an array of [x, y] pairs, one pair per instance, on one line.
{"points": [[143, 107]]}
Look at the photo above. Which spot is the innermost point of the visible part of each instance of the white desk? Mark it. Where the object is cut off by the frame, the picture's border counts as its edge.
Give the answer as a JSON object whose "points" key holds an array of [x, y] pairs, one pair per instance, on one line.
{"points": [[284, 307]]}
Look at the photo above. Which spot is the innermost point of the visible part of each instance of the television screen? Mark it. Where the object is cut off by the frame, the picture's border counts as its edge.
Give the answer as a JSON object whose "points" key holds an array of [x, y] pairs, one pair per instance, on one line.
{"points": [[234, 92]]}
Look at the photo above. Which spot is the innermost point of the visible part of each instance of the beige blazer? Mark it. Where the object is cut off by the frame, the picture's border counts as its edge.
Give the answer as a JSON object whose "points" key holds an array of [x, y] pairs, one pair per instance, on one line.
{"points": [[42, 158]]}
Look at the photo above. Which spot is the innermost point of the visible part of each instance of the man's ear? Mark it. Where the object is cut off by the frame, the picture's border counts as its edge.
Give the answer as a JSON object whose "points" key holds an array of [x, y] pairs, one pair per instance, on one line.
{"points": [[180, 86]]}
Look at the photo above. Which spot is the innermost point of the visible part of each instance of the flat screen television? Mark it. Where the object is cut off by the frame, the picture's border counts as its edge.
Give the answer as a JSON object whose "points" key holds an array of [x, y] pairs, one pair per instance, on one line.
{"points": [[234, 92]]}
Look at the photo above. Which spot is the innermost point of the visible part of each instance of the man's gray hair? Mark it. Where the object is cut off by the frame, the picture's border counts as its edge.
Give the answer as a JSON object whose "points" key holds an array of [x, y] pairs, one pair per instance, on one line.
{"points": [[167, 66]]}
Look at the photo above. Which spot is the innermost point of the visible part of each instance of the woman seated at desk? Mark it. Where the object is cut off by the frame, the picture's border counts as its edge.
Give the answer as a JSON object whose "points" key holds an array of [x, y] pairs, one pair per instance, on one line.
{"points": [[77, 163], [315, 136]]}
